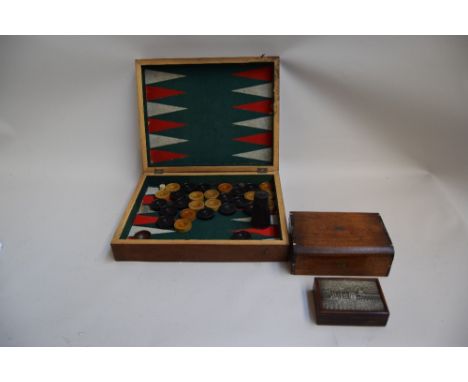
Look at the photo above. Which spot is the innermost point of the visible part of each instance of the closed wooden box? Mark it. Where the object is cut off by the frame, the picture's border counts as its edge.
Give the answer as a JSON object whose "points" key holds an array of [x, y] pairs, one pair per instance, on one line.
{"points": [[348, 301], [206, 120], [340, 244]]}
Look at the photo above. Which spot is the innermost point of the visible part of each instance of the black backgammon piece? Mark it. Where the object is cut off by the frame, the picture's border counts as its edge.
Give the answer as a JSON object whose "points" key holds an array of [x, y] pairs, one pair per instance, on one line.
{"points": [[248, 210], [182, 202], [188, 187], [168, 210], [205, 214], [177, 195], [205, 187], [227, 209], [241, 235], [260, 210], [165, 222], [225, 197], [250, 187], [158, 204], [238, 189], [144, 234], [241, 202]]}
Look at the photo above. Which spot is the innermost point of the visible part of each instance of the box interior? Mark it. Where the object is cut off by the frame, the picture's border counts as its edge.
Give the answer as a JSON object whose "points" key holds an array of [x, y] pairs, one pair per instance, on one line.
{"points": [[208, 114], [221, 227]]}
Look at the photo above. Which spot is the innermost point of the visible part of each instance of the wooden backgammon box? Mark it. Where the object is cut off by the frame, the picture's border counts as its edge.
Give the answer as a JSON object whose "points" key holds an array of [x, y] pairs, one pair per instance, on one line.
{"points": [[209, 129]]}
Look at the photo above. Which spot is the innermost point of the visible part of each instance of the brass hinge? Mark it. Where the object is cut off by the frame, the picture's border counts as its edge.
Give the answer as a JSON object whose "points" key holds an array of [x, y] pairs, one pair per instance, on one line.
{"points": [[262, 170], [158, 171]]}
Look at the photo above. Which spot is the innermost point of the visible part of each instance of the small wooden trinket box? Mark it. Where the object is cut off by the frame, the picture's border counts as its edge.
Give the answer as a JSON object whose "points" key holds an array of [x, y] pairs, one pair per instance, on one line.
{"points": [[209, 129], [340, 244], [348, 301]]}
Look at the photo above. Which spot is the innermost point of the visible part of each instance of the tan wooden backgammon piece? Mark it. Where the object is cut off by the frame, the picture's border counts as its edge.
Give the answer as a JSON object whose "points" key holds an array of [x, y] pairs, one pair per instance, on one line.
{"points": [[183, 225], [173, 187], [214, 204], [249, 195], [225, 187], [188, 214], [265, 186], [196, 205], [196, 195], [163, 194], [211, 194]]}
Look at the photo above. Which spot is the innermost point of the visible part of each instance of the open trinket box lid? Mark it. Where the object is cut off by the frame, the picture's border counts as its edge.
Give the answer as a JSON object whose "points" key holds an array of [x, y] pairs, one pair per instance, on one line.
{"points": [[209, 114]]}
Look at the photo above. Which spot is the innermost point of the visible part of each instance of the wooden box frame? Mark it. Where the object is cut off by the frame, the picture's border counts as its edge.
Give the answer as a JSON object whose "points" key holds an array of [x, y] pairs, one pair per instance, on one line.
{"points": [[205, 250]]}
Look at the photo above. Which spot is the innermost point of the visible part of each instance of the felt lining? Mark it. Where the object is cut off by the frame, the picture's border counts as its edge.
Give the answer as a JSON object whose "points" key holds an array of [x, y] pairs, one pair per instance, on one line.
{"points": [[210, 110]]}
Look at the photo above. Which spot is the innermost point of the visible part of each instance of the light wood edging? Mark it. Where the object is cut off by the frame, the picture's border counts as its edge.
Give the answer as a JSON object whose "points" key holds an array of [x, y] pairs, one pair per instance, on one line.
{"points": [[282, 218]]}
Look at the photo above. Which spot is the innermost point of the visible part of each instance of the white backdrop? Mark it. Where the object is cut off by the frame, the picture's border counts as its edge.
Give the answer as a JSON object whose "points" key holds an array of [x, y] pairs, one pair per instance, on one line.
{"points": [[374, 124]]}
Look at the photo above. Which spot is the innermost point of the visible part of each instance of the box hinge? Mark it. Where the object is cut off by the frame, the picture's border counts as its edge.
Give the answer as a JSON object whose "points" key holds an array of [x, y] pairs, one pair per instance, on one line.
{"points": [[262, 170], [158, 171]]}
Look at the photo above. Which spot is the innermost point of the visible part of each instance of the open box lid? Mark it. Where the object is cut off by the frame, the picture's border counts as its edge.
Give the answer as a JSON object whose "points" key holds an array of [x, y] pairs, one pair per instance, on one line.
{"points": [[209, 114]]}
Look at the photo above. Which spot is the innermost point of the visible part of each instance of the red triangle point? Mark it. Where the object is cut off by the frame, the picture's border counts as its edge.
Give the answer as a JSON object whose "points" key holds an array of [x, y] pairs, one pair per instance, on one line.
{"points": [[145, 220], [156, 125], [257, 139], [263, 74], [271, 231], [158, 92], [158, 156], [265, 106], [148, 199]]}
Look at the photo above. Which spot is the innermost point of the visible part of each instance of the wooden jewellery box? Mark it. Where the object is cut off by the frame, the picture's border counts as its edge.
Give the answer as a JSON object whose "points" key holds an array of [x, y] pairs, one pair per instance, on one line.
{"points": [[348, 301], [205, 122]]}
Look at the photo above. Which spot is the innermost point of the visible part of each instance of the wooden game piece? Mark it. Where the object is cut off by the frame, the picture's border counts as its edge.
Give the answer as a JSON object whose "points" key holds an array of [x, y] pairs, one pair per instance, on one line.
{"points": [[142, 235], [157, 204], [227, 208], [205, 214], [214, 204], [163, 194], [177, 194], [260, 210], [196, 195], [172, 187], [168, 210], [188, 187], [271, 205], [196, 205], [248, 210], [211, 194], [182, 202], [225, 187], [241, 235], [249, 195], [188, 214], [225, 197], [183, 225], [165, 222], [240, 202], [250, 187], [204, 187], [265, 186]]}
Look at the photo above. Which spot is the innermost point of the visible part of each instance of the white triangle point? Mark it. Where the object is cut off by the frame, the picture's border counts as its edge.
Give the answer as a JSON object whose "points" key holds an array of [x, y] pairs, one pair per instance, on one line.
{"points": [[263, 90], [264, 155], [161, 141], [263, 123], [153, 231], [153, 109], [155, 76]]}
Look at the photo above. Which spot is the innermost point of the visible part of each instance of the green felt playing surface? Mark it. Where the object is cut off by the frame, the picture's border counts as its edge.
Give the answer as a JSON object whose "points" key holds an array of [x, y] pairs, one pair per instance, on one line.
{"points": [[208, 114], [219, 228]]}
